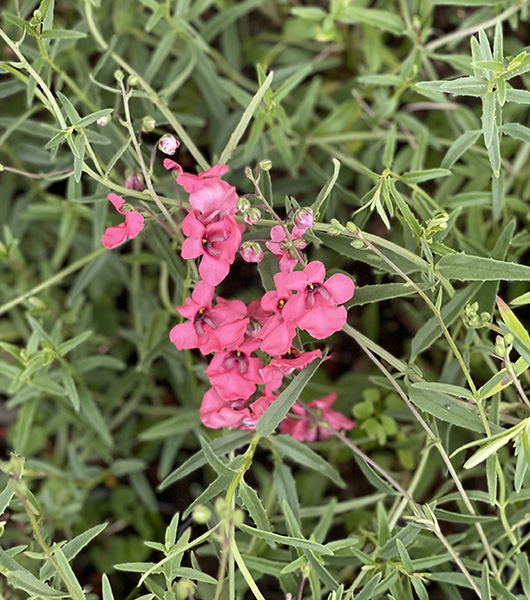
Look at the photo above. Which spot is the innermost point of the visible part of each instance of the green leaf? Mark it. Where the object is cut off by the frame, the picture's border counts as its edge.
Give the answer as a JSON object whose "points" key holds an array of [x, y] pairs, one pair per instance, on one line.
{"points": [[300, 453], [459, 147], [71, 112], [380, 19], [183, 422], [24, 580], [232, 440], [374, 478], [518, 96], [319, 205], [5, 498], [502, 379], [465, 86], [214, 461], [390, 147], [282, 539], [512, 322], [444, 388], [368, 294], [431, 331], [408, 215], [244, 121], [404, 556], [69, 345], [63, 34], [367, 593], [73, 585], [105, 587], [276, 412], [464, 267], [71, 389], [453, 517], [426, 175], [521, 559], [19, 23], [517, 131], [285, 487], [89, 119], [254, 506], [449, 410]]}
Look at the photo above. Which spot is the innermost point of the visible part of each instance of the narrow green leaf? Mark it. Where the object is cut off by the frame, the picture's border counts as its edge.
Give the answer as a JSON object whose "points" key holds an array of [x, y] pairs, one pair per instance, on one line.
{"points": [[405, 558], [408, 215], [491, 478], [521, 559], [444, 388], [24, 580], [105, 587], [71, 112], [426, 175], [320, 203], [517, 131], [245, 120], [300, 453], [518, 96], [285, 487], [280, 407], [485, 592], [63, 34], [92, 118], [254, 506], [459, 148], [453, 517], [73, 585], [282, 539], [449, 410], [368, 590], [465, 86], [380, 19], [487, 450], [390, 147], [464, 267], [71, 389], [183, 422]]}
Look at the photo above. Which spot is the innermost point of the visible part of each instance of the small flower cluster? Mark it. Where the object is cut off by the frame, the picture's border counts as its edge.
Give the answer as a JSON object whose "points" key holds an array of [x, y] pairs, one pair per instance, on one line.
{"points": [[244, 384]]}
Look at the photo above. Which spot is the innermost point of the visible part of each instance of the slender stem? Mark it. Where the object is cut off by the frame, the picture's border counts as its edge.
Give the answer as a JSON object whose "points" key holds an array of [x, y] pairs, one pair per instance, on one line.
{"points": [[457, 35], [153, 96], [52, 280], [141, 160]]}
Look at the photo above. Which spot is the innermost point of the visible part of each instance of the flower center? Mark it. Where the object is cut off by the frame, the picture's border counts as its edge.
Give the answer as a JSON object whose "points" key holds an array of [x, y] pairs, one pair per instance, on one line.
{"points": [[315, 290], [236, 359]]}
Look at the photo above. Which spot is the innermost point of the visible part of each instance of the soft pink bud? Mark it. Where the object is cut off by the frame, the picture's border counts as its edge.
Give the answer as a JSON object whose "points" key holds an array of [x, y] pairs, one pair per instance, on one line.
{"points": [[252, 216], [303, 218], [251, 252], [168, 144], [102, 121], [134, 181]]}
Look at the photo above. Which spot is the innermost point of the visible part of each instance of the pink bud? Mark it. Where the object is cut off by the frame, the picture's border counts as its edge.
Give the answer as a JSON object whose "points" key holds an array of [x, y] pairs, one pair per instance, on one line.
{"points": [[252, 216], [168, 144], [251, 252], [134, 180], [303, 218]]}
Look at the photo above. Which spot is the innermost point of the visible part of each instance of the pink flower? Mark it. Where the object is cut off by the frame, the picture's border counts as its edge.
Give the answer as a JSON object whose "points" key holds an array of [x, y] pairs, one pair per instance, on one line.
{"points": [[210, 329], [257, 409], [235, 372], [216, 412], [217, 243], [280, 247], [314, 307], [293, 360], [212, 197], [134, 180], [303, 219], [134, 223], [251, 252], [305, 428], [277, 333]]}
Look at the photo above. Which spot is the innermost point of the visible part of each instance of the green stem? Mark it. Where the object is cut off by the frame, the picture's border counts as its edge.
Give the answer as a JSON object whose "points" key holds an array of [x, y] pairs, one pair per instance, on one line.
{"points": [[153, 96], [52, 280]]}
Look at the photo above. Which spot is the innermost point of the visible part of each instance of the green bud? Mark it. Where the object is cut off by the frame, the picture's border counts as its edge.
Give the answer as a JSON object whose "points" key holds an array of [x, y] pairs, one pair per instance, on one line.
{"points": [[132, 80], [357, 244], [238, 517], [351, 227], [222, 508], [243, 204], [265, 165], [148, 123], [185, 589], [118, 75], [14, 466], [249, 174], [201, 514]]}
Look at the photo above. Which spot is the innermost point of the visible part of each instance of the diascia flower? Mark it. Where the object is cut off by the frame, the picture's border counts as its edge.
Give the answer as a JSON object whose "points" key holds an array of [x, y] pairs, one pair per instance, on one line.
{"points": [[314, 308], [212, 197], [235, 372], [210, 329], [216, 412], [293, 360], [216, 242], [304, 428], [130, 228], [277, 333]]}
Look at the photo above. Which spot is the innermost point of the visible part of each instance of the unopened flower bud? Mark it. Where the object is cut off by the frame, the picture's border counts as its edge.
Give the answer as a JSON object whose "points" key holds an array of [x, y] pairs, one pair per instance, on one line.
{"points": [[252, 216], [251, 252], [351, 227], [335, 227], [168, 144], [238, 517], [185, 589], [148, 123], [102, 121], [118, 75], [265, 165], [243, 204], [132, 80], [134, 180], [303, 218], [201, 514]]}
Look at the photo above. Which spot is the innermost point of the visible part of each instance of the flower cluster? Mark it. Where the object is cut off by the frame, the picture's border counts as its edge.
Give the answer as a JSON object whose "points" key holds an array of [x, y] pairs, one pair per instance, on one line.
{"points": [[253, 345]]}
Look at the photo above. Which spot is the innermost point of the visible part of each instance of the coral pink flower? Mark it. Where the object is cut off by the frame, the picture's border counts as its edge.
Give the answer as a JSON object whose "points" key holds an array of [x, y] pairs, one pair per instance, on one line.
{"points": [[235, 372], [305, 428], [293, 360], [210, 195], [277, 333], [210, 329], [134, 223], [217, 243], [216, 412], [315, 308], [257, 409], [279, 246]]}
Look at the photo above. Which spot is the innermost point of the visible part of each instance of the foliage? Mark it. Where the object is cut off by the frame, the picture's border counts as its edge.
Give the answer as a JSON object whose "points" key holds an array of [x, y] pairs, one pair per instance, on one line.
{"points": [[401, 126]]}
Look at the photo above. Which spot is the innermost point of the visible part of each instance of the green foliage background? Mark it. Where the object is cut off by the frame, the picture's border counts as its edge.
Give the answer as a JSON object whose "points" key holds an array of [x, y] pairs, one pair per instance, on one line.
{"points": [[408, 119]]}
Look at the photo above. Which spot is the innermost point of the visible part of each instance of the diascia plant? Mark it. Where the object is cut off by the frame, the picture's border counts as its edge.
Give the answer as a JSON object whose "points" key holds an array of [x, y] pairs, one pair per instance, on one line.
{"points": [[263, 279]]}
